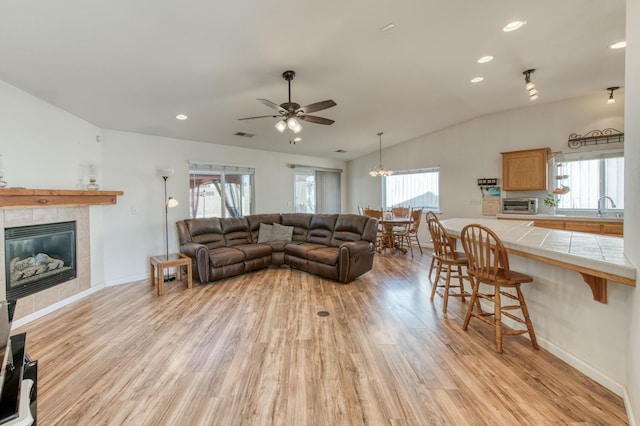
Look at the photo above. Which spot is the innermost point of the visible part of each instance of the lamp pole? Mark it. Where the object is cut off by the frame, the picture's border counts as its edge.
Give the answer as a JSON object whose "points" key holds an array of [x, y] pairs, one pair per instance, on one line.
{"points": [[166, 218]]}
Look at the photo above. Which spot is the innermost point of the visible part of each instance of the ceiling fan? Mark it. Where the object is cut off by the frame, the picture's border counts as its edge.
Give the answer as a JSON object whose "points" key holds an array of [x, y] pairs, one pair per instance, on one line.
{"points": [[291, 112]]}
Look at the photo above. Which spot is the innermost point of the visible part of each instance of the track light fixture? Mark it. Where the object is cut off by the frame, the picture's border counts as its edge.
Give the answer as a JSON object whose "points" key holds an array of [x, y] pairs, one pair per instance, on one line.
{"points": [[611, 100], [530, 85]]}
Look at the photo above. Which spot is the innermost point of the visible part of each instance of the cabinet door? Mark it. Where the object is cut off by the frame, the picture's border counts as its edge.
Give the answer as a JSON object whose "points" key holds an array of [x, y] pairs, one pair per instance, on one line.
{"points": [[613, 228], [524, 170], [550, 224], [592, 227]]}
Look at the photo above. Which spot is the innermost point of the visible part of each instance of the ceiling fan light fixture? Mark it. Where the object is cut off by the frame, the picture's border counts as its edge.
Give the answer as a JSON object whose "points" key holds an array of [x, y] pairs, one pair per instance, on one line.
{"points": [[297, 129], [533, 97], [281, 126], [292, 123], [530, 85]]}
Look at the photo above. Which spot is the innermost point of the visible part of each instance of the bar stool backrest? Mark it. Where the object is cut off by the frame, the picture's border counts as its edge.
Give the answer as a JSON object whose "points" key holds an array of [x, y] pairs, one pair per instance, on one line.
{"points": [[488, 258], [442, 244]]}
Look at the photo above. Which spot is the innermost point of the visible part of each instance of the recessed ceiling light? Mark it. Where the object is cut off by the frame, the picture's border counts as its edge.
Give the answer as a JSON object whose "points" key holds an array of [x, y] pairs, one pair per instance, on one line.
{"points": [[477, 79], [485, 59], [512, 26], [618, 45], [181, 117], [387, 27]]}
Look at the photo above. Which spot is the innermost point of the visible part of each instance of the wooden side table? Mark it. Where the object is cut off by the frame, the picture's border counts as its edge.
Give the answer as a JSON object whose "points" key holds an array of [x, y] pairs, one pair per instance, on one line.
{"points": [[159, 263]]}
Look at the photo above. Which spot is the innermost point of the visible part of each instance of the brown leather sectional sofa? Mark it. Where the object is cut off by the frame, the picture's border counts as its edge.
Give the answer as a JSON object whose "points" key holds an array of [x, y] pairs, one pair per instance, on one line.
{"points": [[335, 246]]}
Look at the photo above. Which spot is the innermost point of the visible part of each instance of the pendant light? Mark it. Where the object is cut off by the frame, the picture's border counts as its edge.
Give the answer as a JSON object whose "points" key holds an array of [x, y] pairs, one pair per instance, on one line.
{"points": [[379, 170], [611, 100]]}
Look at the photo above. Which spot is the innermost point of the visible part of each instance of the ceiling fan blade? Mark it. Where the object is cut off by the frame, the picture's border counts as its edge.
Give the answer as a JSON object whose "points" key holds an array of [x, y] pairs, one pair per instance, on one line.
{"points": [[317, 120], [260, 116], [273, 105], [318, 106]]}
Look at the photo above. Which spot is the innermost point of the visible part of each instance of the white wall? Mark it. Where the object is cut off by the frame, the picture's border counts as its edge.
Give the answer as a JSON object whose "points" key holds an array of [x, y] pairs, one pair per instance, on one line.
{"points": [[45, 147], [472, 149], [632, 199], [134, 229], [591, 336]]}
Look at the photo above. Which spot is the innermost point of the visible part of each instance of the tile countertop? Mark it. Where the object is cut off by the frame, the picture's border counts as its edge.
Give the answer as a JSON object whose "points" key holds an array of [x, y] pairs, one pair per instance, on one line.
{"points": [[585, 218], [598, 252]]}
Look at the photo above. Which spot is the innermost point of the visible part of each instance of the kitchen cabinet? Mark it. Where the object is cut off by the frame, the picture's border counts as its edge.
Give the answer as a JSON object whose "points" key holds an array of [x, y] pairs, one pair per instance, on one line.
{"points": [[525, 170], [606, 228]]}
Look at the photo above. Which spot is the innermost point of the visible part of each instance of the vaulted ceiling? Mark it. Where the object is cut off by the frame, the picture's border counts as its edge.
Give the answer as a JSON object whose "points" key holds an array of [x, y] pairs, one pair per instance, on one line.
{"points": [[134, 65]]}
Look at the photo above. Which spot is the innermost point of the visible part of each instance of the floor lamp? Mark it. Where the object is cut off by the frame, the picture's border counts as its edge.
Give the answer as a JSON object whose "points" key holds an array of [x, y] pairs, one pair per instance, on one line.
{"points": [[169, 203]]}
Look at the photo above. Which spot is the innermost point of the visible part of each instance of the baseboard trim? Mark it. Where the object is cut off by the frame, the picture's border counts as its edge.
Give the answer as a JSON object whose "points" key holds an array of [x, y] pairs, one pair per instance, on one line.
{"points": [[58, 305], [126, 280], [577, 363], [628, 407]]}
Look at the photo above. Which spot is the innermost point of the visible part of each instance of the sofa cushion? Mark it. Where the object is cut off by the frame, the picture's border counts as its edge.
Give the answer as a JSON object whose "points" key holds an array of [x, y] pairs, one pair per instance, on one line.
{"points": [[349, 227], [264, 235], [300, 223], [326, 255], [255, 220], [321, 228], [281, 232], [302, 250], [207, 231], [254, 251], [225, 256], [235, 230]]}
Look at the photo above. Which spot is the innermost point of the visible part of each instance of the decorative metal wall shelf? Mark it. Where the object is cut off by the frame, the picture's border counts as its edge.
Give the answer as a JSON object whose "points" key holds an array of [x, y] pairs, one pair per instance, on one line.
{"points": [[596, 137]]}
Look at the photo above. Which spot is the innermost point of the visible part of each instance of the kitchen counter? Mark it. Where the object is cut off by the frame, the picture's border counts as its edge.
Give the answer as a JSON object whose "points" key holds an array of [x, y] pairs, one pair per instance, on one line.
{"points": [[597, 257]]}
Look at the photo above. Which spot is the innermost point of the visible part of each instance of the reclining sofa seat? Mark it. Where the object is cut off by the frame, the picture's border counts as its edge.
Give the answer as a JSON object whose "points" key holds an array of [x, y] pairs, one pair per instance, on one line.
{"points": [[339, 246]]}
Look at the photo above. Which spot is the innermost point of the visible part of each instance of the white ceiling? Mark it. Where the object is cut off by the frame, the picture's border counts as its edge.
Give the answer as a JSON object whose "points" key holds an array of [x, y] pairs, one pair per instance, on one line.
{"points": [[134, 64]]}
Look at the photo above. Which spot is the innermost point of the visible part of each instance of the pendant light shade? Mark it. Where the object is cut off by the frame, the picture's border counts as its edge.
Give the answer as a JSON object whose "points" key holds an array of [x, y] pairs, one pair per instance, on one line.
{"points": [[379, 170]]}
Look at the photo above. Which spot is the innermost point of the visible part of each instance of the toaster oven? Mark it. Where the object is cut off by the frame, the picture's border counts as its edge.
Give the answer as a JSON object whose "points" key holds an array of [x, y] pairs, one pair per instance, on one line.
{"points": [[520, 205]]}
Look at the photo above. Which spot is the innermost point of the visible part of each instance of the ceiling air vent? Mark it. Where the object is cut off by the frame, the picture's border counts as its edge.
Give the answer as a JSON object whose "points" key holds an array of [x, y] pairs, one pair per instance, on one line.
{"points": [[244, 135], [341, 151]]}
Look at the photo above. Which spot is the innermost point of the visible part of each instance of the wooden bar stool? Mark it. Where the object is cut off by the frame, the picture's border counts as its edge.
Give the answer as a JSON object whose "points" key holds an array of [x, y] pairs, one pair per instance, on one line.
{"points": [[447, 260], [489, 264]]}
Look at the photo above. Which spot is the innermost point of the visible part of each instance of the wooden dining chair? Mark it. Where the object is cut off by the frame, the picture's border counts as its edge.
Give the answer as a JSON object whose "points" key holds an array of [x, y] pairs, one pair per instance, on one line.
{"points": [[447, 261], [410, 235], [489, 264], [401, 211], [380, 237]]}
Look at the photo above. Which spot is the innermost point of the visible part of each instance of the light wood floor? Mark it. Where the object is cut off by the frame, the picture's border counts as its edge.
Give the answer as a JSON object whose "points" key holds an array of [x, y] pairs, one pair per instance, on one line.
{"points": [[252, 351]]}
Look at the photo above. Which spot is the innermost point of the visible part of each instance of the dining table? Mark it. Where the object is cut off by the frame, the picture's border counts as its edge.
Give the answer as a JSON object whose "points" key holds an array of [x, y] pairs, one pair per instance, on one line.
{"points": [[388, 238]]}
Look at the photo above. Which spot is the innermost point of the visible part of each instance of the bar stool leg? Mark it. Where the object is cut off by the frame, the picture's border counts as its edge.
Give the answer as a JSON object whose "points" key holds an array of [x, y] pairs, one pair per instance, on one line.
{"points": [[497, 318], [527, 320], [435, 283], [474, 299]]}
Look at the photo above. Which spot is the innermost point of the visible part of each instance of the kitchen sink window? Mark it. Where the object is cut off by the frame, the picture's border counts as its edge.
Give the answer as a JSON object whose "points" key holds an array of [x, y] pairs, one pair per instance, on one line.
{"points": [[591, 182], [412, 188]]}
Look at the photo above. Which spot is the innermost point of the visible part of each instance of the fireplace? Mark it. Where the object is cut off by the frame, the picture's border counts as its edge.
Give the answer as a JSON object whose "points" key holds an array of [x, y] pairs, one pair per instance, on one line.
{"points": [[38, 257]]}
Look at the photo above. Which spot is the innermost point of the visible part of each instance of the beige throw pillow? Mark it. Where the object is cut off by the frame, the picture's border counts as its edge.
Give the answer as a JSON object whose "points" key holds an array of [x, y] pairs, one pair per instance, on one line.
{"points": [[281, 233], [264, 234]]}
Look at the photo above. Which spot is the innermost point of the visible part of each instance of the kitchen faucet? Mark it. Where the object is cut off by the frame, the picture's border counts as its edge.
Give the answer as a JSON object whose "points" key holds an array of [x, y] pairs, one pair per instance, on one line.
{"points": [[603, 211]]}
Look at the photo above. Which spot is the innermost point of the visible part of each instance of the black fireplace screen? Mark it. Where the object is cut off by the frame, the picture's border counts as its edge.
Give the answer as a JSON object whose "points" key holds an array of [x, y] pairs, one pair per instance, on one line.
{"points": [[38, 257]]}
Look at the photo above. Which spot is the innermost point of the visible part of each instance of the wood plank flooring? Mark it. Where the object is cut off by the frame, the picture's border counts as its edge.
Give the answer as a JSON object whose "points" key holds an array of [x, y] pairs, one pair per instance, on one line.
{"points": [[252, 350]]}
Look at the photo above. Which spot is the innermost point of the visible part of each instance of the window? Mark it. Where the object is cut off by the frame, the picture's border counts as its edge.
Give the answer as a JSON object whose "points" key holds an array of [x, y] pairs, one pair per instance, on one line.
{"points": [[317, 191], [220, 191], [412, 188], [589, 177]]}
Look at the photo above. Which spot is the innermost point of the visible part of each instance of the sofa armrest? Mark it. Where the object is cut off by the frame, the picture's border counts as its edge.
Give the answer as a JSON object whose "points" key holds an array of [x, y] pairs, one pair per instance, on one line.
{"points": [[199, 255], [355, 259], [356, 247]]}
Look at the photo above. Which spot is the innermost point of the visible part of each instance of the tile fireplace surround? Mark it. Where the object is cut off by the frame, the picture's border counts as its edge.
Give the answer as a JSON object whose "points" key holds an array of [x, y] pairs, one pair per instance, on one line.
{"points": [[35, 216]]}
